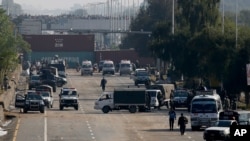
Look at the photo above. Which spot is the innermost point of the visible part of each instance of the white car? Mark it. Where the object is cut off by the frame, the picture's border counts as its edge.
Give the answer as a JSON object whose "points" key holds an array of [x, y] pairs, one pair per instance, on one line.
{"points": [[221, 130]]}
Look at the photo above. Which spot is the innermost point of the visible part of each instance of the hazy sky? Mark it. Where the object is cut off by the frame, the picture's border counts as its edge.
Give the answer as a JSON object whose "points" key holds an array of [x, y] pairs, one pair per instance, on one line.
{"points": [[54, 4]]}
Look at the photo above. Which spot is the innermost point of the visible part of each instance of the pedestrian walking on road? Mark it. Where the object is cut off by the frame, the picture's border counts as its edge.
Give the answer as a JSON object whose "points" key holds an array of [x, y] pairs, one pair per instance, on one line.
{"points": [[172, 117], [182, 121], [103, 83]]}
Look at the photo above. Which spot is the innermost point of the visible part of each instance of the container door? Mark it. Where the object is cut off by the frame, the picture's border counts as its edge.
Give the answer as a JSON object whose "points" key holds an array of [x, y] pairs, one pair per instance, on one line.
{"points": [[19, 101]]}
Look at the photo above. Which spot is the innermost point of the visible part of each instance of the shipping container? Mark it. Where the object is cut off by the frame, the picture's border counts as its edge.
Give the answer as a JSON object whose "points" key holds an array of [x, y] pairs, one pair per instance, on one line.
{"points": [[60, 43]]}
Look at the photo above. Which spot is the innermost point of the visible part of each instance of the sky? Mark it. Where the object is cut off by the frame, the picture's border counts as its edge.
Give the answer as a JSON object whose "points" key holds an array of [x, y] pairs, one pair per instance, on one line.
{"points": [[54, 4]]}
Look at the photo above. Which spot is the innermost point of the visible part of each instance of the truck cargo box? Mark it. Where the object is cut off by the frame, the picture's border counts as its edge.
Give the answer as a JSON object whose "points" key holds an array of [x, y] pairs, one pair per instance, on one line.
{"points": [[129, 96]]}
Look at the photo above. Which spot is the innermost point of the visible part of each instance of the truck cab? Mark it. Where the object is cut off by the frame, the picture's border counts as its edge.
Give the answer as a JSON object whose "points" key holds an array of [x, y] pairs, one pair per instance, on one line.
{"points": [[46, 92]]}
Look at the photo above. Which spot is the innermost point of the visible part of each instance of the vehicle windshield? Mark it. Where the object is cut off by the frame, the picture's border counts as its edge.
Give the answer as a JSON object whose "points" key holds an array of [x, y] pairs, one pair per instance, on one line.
{"points": [[223, 123], [152, 94], [35, 78], [86, 66], [45, 94], [204, 106], [108, 65], [60, 67], [142, 73], [125, 65], [69, 93], [243, 117], [180, 94], [33, 97]]}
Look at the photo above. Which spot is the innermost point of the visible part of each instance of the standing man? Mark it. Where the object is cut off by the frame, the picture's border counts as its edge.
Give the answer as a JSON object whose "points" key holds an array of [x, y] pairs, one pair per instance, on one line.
{"points": [[5, 82], [103, 83], [182, 121], [172, 117]]}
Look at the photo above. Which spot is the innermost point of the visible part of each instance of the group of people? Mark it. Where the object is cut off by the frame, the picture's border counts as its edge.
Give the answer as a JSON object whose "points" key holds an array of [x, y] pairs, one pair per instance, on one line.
{"points": [[182, 121]]}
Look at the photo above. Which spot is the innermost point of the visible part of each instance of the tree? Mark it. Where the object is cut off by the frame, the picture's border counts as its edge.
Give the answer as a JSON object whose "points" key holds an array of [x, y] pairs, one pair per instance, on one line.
{"points": [[11, 44]]}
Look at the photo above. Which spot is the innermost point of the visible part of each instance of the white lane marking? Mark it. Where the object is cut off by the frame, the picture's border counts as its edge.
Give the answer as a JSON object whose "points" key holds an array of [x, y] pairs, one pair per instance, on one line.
{"points": [[45, 126], [90, 130]]}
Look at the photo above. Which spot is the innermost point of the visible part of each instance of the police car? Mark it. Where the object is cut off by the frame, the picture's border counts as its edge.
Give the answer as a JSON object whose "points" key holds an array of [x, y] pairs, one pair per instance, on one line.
{"points": [[68, 98]]}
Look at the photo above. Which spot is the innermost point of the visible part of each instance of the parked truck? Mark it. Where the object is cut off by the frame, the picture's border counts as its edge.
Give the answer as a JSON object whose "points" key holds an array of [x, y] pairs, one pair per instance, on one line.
{"points": [[131, 99]]}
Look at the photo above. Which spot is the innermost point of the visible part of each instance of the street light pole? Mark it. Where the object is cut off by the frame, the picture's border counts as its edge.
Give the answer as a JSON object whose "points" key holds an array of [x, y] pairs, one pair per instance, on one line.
{"points": [[223, 15], [173, 17], [236, 21]]}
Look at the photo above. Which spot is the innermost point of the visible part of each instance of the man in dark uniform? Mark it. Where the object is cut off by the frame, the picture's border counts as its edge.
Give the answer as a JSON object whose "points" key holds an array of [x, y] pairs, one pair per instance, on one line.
{"points": [[103, 83], [182, 121]]}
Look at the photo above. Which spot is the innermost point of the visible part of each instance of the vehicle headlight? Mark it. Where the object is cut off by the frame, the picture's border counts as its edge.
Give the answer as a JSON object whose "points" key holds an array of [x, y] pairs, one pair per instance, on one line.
{"points": [[222, 132], [41, 102]]}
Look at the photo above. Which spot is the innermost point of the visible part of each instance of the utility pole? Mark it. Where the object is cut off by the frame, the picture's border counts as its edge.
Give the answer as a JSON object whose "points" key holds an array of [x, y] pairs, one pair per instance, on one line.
{"points": [[236, 21], [223, 16]]}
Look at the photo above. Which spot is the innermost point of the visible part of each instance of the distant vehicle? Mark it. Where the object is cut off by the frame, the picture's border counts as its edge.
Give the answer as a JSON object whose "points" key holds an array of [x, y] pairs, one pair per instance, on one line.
{"points": [[220, 131], [100, 65], [205, 109], [60, 64], [108, 67], [30, 102], [141, 76], [87, 68], [180, 98], [156, 97], [34, 81], [46, 92], [165, 90], [48, 78], [123, 98], [125, 67], [68, 97]]}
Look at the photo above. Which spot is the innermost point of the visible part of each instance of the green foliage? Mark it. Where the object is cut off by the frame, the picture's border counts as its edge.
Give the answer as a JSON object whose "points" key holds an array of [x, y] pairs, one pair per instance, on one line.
{"points": [[11, 44], [148, 17]]}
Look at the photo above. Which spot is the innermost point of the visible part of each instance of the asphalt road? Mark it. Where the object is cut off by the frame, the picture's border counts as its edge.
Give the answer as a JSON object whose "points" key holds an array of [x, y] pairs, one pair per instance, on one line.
{"points": [[88, 124]]}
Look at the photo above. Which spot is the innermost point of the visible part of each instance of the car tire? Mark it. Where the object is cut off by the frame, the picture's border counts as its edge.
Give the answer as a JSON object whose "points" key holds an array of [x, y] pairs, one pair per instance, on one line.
{"points": [[76, 107], [105, 109], [25, 110], [61, 108], [42, 110], [132, 109]]}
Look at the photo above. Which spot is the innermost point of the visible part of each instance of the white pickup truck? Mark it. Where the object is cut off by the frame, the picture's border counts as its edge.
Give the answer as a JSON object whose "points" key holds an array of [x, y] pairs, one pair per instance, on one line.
{"points": [[221, 130]]}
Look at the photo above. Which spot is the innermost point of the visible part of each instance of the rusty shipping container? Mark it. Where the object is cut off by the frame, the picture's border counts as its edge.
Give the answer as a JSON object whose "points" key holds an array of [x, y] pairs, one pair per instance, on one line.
{"points": [[118, 55], [60, 43]]}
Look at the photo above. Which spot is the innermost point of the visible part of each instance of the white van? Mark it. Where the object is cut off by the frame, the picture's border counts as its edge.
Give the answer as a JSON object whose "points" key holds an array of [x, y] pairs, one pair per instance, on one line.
{"points": [[86, 68], [108, 67], [125, 67]]}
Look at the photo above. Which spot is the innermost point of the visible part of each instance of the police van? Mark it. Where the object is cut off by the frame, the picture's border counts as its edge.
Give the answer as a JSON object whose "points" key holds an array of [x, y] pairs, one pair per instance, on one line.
{"points": [[205, 109]]}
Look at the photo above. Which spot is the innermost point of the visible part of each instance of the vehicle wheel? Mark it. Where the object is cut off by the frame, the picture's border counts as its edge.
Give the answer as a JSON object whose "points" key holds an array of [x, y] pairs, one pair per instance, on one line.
{"points": [[54, 88], [136, 84], [48, 105], [76, 107], [25, 110], [51, 106], [61, 107], [120, 74], [195, 128], [132, 109], [105, 109], [60, 84], [42, 110]]}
